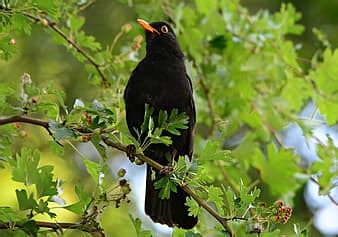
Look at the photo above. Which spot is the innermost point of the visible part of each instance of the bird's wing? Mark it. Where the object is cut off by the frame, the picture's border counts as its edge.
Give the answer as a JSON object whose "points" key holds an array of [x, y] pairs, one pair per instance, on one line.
{"points": [[192, 121], [134, 104]]}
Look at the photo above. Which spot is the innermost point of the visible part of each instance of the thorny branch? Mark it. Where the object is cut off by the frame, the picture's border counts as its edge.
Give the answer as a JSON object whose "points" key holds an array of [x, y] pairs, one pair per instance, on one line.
{"points": [[222, 220]]}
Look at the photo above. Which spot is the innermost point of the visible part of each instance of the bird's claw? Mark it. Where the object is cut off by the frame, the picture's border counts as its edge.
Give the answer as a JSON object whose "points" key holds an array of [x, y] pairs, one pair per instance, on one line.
{"points": [[131, 151], [167, 170]]}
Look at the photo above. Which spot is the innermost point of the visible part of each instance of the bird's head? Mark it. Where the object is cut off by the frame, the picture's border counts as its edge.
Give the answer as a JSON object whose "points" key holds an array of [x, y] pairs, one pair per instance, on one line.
{"points": [[160, 39]]}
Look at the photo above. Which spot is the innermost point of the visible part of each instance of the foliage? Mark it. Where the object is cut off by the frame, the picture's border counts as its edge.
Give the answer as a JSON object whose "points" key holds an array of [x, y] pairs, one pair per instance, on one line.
{"points": [[247, 76]]}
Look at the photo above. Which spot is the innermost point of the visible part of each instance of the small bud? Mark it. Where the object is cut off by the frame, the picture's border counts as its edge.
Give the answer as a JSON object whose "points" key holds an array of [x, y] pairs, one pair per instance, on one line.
{"points": [[44, 22], [138, 39], [279, 203], [121, 173], [23, 133], [85, 138], [89, 120], [17, 125], [126, 27], [126, 189], [12, 41], [34, 99], [139, 162]]}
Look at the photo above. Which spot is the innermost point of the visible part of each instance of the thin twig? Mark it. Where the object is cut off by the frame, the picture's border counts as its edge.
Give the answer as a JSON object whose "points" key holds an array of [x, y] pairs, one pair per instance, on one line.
{"points": [[328, 195], [54, 226], [52, 25]]}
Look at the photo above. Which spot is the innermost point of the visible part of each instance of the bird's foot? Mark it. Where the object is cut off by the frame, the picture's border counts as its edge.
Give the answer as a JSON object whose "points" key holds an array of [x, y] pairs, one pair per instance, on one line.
{"points": [[167, 170], [131, 151]]}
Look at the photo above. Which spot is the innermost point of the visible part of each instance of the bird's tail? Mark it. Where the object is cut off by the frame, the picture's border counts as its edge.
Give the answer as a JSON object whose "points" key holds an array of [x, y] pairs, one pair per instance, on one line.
{"points": [[172, 211]]}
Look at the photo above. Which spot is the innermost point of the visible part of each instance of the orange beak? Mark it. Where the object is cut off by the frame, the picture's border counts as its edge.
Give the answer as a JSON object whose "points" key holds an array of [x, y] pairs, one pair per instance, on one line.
{"points": [[146, 26]]}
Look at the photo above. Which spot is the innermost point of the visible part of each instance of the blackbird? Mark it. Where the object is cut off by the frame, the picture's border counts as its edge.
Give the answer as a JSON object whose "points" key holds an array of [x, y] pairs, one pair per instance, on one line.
{"points": [[161, 81]]}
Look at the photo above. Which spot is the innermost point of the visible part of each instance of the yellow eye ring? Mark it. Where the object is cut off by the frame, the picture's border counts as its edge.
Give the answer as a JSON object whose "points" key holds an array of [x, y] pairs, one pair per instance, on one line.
{"points": [[164, 29]]}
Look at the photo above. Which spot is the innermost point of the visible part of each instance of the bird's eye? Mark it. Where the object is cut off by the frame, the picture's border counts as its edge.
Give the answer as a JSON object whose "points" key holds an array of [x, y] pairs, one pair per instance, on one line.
{"points": [[164, 29]]}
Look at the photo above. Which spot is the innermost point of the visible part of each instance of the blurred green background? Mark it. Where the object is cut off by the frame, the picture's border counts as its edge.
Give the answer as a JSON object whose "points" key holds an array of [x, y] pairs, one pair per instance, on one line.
{"points": [[43, 60]]}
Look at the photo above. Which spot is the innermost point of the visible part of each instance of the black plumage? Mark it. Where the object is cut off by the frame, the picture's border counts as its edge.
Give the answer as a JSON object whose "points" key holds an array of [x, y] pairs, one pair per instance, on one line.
{"points": [[161, 81]]}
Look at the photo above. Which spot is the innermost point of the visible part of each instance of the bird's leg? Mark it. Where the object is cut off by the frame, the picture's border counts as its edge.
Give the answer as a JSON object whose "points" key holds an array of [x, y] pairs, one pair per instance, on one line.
{"points": [[168, 170], [131, 151]]}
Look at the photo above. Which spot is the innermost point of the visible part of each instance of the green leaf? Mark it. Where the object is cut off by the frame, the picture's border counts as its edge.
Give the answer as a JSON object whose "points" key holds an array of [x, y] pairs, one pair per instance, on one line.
{"points": [[219, 42], [7, 214], [206, 7], [324, 168], [96, 141], [166, 140], [138, 228], [176, 121], [215, 195], [213, 151], [278, 170], [194, 208], [24, 168], [166, 186], [291, 91], [230, 202], [76, 22], [148, 111], [93, 169], [275, 233], [162, 118], [25, 202], [49, 6], [87, 41], [84, 200], [327, 72], [29, 227], [45, 186], [42, 207], [59, 131]]}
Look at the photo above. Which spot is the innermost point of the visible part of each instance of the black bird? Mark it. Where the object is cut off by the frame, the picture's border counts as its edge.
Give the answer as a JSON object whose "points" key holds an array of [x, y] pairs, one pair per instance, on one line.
{"points": [[161, 81]]}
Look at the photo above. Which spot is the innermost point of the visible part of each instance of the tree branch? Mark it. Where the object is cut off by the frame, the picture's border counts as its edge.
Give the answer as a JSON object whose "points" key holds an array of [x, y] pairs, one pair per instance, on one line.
{"points": [[52, 25], [54, 226], [184, 186], [121, 147]]}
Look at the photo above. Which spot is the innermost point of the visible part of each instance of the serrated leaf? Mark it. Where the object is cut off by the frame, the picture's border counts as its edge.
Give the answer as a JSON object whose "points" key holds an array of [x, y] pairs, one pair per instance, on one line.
{"points": [[215, 195], [29, 227], [76, 22], [42, 207], [278, 170], [7, 214], [25, 202], [213, 151], [24, 168], [138, 228], [148, 111], [194, 209], [59, 131], [44, 183], [84, 200], [93, 169], [166, 186]]}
